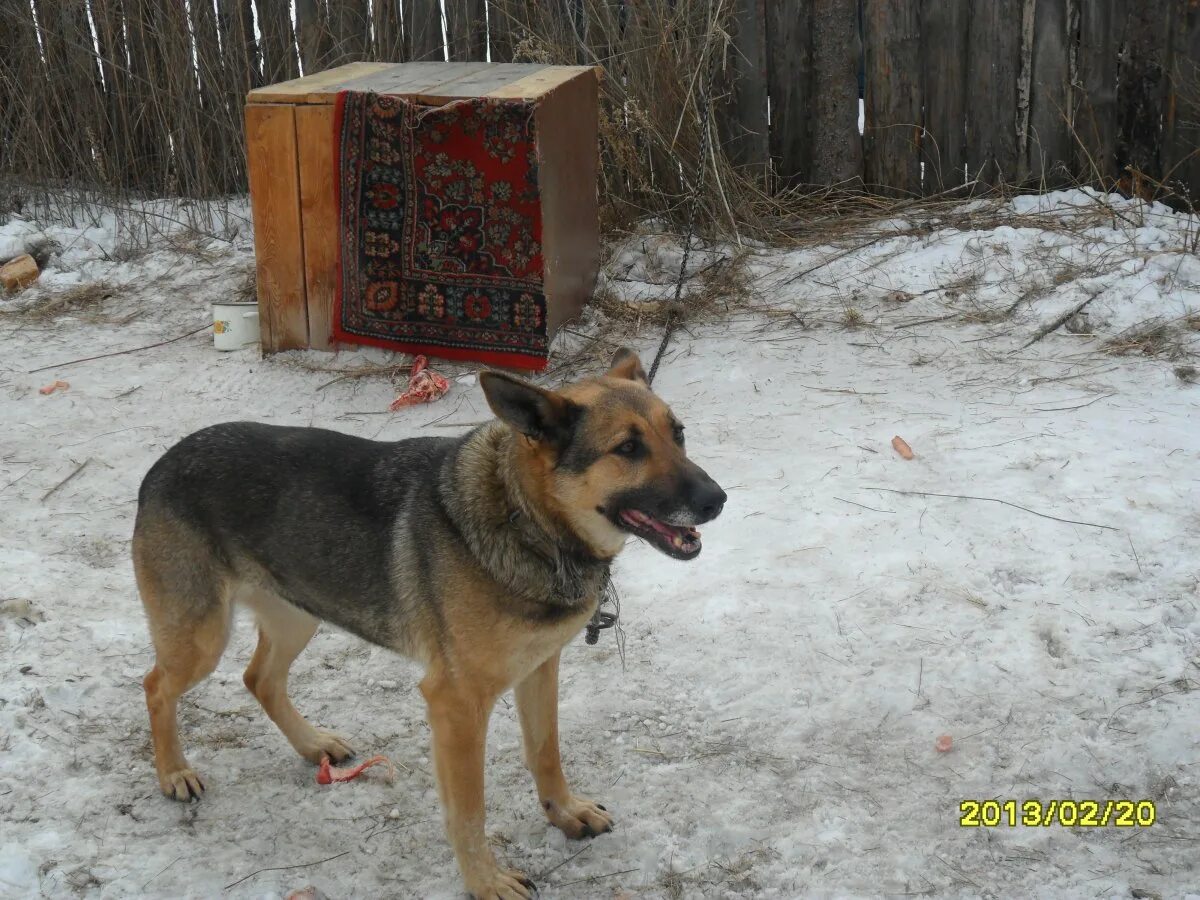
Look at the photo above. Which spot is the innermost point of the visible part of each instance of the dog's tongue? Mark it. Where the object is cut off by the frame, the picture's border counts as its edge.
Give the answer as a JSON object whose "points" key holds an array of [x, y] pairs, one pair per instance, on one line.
{"points": [[677, 534]]}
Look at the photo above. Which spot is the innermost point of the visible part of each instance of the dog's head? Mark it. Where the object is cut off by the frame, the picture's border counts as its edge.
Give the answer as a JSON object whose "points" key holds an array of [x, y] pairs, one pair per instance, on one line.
{"points": [[609, 458]]}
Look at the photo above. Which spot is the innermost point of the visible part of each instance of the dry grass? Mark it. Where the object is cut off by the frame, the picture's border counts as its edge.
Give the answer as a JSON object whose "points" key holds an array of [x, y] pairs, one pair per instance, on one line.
{"points": [[1158, 338], [86, 301]]}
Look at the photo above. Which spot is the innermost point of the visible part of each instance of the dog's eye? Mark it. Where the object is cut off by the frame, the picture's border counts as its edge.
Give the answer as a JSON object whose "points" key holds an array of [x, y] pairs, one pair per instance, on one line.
{"points": [[630, 448], [678, 432]]}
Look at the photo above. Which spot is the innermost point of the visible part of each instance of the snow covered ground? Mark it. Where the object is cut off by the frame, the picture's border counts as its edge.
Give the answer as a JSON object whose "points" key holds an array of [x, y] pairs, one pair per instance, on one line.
{"points": [[772, 730]]}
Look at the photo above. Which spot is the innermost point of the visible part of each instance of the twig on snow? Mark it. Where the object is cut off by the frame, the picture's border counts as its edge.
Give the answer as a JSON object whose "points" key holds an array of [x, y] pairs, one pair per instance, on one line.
{"points": [[1054, 326], [992, 500], [281, 868], [861, 506], [46, 496], [73, 362]]}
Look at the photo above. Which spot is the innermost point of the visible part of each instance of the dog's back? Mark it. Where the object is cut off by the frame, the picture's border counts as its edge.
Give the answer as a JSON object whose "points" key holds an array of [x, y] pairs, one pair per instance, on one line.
{"points": [[293, 510]]}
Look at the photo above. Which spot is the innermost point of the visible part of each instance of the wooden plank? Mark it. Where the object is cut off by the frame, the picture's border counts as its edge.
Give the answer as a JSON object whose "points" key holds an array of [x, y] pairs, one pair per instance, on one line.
{"points": [[993, 61], [319, 218], [416, 80], [743, 121], [1101, 24], [567, 131], [892, 136], [478, 80], [314, 88], [944, 29], [1050, 146], [790, 87], [1181, 163], [1142, 91], [466, 30], [837, 146], [278, 243], [541, 80], [423, 30]]}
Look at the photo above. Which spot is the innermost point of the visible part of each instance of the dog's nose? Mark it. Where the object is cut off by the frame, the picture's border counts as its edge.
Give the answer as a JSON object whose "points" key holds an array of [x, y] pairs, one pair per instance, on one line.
{"points": [[709, 499]]}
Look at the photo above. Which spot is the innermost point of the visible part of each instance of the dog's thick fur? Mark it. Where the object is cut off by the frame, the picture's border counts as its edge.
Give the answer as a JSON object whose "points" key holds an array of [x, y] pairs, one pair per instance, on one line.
{"points": [[479, 556]]}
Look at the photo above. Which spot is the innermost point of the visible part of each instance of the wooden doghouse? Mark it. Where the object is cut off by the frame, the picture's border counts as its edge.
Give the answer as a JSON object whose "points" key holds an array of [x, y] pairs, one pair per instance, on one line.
{"points": [[293, 169]]}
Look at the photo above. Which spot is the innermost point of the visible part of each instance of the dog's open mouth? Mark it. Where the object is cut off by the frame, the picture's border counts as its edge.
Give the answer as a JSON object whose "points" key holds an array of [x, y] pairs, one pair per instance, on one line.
{"points": [[679, 541]]}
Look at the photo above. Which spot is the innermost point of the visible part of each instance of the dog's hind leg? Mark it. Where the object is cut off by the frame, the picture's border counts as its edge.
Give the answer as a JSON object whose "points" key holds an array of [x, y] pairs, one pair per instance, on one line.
{"points": [[283, 632], [189, 616]]}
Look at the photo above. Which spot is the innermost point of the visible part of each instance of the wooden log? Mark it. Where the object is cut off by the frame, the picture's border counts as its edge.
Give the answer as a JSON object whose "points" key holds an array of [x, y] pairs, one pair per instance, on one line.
{"points": [[1142, 91], [18, 273], [1101, 25], [278, 246], [944, 28], [1050, 144], [466, 30], [423, 30], [790, 87], [994, 50], [837, 147], [743, 120], [892, 137], [319, 217]]}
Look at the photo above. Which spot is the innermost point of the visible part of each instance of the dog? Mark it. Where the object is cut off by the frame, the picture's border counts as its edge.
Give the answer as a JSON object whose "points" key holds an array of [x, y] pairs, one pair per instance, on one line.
{"points": [[479, 556]]}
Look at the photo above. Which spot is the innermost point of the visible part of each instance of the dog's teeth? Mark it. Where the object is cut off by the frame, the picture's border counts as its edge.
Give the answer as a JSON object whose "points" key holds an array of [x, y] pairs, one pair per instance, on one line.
{"points": [[677, 541]]}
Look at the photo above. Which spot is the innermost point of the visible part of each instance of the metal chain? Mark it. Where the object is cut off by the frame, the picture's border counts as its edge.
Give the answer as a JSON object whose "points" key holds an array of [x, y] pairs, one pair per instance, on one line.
{"points": [[673, 314], [601, 620]]}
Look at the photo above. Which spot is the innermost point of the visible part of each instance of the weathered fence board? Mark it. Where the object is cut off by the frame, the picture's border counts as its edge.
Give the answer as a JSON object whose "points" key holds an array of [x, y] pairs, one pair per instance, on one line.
{"points": [[1050, 144], [944, 84], [745, 119], [313, 35], [423, 30], [466, 30], [993, 61], [147, 94], [1181, 162], [278, 45], [1142, 86], [1101, 24], [348, 20], [837, 152], [789, 85], [388, 37], [892, 135]]}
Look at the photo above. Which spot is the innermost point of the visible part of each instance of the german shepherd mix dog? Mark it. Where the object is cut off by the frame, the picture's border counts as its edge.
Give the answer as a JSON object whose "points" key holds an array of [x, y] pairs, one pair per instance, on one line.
{"points": [[479, 556]]}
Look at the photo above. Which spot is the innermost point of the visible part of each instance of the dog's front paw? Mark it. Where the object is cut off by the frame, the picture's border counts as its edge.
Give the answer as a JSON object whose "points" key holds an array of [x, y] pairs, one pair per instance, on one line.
{"points": [[324, 743], [501, 884], [182, 784], [578, 817]]}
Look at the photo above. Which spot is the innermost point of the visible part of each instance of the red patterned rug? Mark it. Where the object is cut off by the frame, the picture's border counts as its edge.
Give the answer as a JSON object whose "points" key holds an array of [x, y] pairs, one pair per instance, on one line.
{"points": [[440, 229]]}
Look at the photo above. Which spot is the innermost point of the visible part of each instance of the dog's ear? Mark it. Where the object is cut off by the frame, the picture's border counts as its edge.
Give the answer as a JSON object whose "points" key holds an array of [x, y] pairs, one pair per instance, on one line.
{"points": [[626, 365], [533, 411]]}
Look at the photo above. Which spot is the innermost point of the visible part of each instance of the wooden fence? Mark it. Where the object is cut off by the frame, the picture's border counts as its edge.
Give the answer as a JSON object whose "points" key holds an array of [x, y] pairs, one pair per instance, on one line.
{"points": [[147, 95]]}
